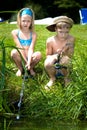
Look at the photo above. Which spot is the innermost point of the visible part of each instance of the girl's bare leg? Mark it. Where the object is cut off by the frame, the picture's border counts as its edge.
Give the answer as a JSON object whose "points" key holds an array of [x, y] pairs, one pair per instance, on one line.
{"points": [[35, 59], [16, 58]]}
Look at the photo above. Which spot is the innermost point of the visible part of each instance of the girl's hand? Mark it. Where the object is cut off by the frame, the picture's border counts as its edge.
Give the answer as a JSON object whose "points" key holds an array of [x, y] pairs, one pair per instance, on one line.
{"points": [[28, 67]]}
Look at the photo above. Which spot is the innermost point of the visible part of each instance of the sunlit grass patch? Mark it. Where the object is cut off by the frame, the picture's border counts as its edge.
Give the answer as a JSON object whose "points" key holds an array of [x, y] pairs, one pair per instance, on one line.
{"points": [[60, 102]]}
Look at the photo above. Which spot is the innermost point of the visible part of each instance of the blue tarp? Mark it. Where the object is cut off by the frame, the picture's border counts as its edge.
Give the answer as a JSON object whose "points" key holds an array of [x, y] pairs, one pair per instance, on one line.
{"points": [[83, 15], [1, 20]]}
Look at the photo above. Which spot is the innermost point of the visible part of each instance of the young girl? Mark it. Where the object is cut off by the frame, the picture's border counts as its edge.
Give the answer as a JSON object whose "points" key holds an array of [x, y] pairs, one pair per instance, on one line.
{"points": [[25, 39], [60, 45]]}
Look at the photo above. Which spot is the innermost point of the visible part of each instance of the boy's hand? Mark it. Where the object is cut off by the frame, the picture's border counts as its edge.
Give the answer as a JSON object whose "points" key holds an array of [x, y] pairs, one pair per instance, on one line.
{"points": [[59, 51]]}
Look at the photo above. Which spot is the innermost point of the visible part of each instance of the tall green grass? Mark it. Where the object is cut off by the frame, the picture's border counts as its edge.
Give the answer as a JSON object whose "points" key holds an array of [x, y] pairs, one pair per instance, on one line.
{"points": [[60, 102]]}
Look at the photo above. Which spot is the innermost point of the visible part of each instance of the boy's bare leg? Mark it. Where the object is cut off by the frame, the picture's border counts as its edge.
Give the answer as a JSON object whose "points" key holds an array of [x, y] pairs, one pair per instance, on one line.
{"points": [[50, 71], [66, 62]]}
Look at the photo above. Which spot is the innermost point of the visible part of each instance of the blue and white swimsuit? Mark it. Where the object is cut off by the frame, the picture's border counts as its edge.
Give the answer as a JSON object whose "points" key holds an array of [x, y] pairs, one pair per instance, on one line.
{"points": [[25, 42]]}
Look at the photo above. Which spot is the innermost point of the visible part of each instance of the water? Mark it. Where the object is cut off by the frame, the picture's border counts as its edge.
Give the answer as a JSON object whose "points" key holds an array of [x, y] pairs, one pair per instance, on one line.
{"points": [[15, 124]]}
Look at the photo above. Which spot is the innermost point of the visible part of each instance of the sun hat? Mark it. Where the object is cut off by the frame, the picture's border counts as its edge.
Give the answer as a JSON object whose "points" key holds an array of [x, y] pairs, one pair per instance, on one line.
{"points": [[59, 19]]}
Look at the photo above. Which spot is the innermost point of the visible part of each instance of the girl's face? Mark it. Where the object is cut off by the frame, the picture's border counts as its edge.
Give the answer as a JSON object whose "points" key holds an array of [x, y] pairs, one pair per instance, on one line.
{"points": [[26, 21]]}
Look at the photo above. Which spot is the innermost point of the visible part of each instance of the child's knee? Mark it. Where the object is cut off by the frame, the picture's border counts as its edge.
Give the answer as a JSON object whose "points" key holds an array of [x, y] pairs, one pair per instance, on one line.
{"points": [[48, 63], [39, 55], [13, 52], [65, 60]]}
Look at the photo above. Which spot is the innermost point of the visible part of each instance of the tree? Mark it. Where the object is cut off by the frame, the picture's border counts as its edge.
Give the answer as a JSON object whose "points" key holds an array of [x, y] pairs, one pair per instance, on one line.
{"points": [[53, 8], [6, 6], [47, 8]]}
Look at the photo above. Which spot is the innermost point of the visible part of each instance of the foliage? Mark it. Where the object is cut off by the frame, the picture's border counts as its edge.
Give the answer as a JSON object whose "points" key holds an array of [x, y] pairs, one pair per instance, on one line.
{"points": [[60, 102], [46, 8], [3, 104], [54, 8], [67, 4]]}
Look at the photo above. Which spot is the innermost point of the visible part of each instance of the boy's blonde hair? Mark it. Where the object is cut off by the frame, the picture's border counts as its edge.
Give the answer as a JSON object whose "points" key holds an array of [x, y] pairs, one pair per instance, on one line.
{"points": [[63, 25], [19, 18]]}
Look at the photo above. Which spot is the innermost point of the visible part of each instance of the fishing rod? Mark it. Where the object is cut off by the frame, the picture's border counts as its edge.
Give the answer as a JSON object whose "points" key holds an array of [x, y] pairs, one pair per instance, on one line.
{"points": [[25, 78], [58, 67], [21, 97]]}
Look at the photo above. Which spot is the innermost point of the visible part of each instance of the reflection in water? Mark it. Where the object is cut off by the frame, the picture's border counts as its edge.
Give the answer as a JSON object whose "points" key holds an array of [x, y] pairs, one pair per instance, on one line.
{"points": [[45, 125]]}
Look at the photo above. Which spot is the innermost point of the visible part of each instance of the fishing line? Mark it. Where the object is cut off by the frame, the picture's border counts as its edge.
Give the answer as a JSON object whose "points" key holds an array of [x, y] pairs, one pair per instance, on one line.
{"points": [[21, 97], [25, 78]]}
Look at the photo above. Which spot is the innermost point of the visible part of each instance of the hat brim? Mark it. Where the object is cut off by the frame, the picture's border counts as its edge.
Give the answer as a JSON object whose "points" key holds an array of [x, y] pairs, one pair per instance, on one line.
{"points": [[65, 19], [51, 27]]}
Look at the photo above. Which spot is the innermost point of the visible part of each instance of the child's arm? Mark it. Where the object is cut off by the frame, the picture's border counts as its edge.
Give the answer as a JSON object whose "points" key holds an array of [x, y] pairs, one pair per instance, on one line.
{"points": [[68, 49], [16, 40], [31, 49]]}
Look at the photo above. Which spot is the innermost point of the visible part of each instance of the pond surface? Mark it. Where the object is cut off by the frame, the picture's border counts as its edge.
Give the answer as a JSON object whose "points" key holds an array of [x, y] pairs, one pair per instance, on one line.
{"points": [[44, 125]]}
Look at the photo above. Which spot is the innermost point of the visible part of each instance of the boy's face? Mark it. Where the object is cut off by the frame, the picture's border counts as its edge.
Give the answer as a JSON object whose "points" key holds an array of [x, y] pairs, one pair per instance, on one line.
{"points": [[63, 30]]}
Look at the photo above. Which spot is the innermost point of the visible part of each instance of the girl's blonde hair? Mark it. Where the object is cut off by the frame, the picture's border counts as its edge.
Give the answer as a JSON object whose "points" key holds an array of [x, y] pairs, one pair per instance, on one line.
{"points": [[19, 18]]}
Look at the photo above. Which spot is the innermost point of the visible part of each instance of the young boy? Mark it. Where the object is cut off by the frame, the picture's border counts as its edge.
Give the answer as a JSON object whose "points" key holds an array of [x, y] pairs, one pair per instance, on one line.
{"points": [[59, 48]]}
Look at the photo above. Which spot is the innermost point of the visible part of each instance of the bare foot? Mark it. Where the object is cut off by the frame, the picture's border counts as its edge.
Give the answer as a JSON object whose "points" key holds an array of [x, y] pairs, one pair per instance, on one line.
{"points": [[49, 84], [19, 73]]}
